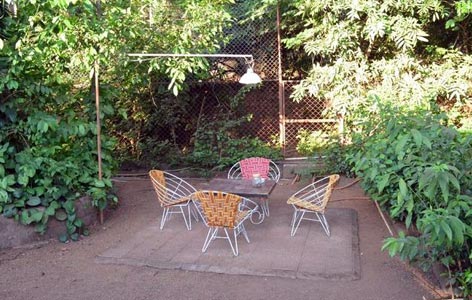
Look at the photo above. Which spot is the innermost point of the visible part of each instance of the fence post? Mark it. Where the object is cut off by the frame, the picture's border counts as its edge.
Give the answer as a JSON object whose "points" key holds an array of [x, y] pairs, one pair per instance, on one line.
{"points": [[281, 86]]}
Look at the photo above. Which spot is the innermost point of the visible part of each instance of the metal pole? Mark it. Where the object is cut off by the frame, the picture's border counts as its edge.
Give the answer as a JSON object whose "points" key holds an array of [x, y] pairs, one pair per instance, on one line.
{"points": [[188, 55], [99, 140], [281, 85]]}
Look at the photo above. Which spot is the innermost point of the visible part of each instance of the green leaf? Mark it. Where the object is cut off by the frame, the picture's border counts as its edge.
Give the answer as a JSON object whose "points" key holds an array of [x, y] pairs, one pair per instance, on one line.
{"points": [[23, 180], [63, 238], [9, 211], [427, 142], [401, 144], [71, 217], [408, 220], [455, 182], [99, 183], [70, 228], [8, 181], [3, 196], [450, 24], [50, 211], [61, 215], [42, 126], [81, 130], [24, 217], [458, 229], [382, 182], [403, 188], [69, 206], [444, 186], [79, 223], [33, 201], [54, 204], [74, 237], [40, 190], [430, 190], [17, 193], [447, 230], [417, 137], [390, 244], [36, 215]]}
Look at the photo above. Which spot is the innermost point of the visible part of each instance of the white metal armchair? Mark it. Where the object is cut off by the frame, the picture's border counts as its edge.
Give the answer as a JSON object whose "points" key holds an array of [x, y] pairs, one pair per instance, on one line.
{"points": [[312, 199], [224, 211], [174, 194], [246, 168]]}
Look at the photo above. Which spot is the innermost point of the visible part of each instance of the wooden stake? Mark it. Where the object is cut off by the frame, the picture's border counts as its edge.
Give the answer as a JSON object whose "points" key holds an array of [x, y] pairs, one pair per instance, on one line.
{"points": [[99, 139]]}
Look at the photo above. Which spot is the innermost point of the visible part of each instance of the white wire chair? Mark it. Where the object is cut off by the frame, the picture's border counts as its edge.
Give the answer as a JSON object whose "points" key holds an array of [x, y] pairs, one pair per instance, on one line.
{"points": [[312, 199], [252, 166], [220, 210], [174, 194]]}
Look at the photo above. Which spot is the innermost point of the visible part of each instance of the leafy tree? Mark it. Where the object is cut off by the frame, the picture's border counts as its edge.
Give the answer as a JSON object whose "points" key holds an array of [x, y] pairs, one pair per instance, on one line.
{"points": [[390, 68], [47, 111]]}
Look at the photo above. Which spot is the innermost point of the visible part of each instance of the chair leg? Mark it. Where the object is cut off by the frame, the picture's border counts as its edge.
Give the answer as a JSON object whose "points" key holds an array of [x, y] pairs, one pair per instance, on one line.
{"points": [[324, 223], [188, 223], [296, 223], [294, 218], [212, 232], [195, 212], [235, 247], [242, 230], [164, 217], [199, 212]]}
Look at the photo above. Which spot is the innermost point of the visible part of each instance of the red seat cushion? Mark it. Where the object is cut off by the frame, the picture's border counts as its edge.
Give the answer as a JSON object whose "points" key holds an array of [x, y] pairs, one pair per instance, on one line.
{"points": [[254, 165]]}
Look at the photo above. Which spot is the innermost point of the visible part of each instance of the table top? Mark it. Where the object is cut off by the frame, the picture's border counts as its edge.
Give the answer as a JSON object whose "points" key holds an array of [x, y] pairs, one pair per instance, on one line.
{"points": [[242, 187]]}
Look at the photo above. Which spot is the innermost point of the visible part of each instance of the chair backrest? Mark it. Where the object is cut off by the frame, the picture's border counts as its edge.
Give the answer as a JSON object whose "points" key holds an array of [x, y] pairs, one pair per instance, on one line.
{"points": [[316, 195], [245, 168], [220, 209], [169, 187], [333, 179]]}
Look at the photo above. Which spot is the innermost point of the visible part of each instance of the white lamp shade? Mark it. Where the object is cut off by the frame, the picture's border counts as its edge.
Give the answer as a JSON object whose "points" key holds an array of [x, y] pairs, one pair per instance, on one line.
{"points": [[250, 77]]}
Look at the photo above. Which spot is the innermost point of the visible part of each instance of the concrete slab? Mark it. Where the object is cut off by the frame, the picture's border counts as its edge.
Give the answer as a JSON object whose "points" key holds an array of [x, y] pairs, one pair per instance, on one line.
{"points": [[271, 252]]}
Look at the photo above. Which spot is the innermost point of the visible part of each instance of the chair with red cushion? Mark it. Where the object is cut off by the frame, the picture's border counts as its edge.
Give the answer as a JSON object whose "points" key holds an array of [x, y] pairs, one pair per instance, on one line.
{"points": [[264, 167]]}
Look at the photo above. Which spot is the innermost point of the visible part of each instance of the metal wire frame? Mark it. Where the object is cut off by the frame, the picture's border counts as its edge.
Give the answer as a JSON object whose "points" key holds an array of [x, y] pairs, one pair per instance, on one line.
{"points": [[274, 174], [220, 210], [312, 199], [174, 195]]}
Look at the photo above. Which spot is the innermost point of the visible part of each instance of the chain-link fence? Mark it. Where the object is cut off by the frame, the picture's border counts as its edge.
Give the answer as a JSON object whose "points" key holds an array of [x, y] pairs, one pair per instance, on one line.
{"points": [[307, 114], [274, 116]]}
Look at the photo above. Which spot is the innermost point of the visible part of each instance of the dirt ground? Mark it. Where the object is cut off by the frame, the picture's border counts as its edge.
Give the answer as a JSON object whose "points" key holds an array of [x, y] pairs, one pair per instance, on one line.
{"points": [[53, 270]]}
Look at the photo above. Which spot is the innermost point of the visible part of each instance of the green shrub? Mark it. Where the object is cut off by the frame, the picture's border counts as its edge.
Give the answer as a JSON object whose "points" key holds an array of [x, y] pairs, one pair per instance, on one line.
{"points": [[310, 143], [217, 145], [325, 151], [46, 163], [419, 169]]}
